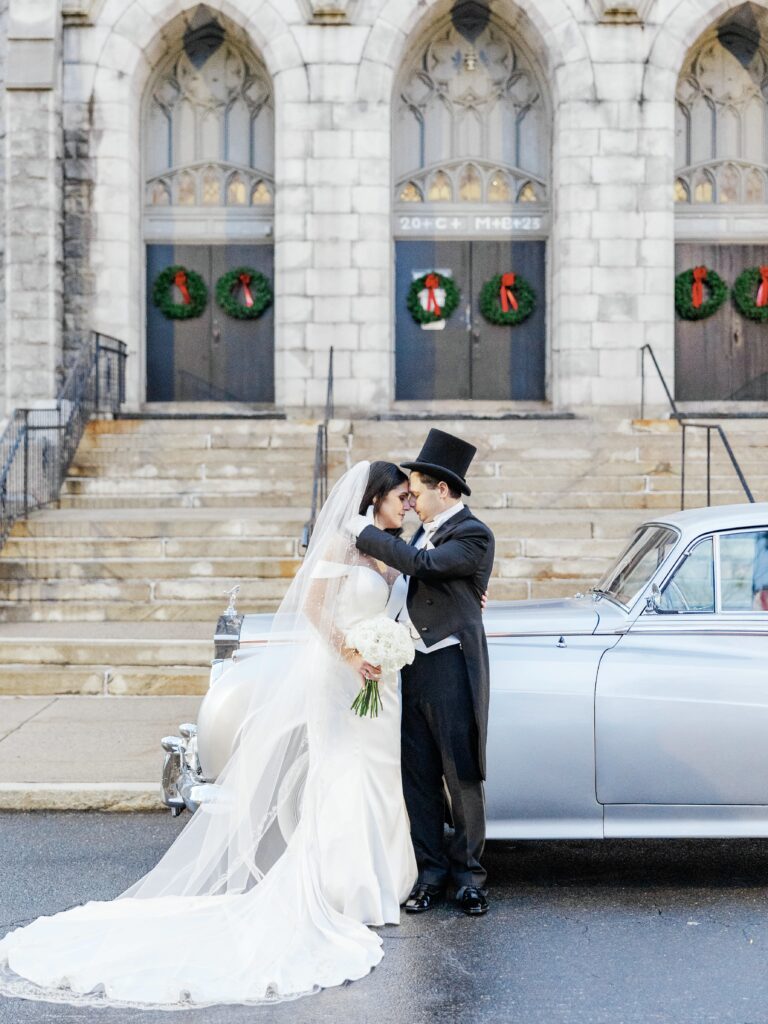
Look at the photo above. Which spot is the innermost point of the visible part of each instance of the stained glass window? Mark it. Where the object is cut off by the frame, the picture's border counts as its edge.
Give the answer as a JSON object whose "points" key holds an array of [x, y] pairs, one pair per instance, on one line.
{"points": [[236, 193], [498, 188], [440, 189], [186, 194], [681, 191], [260, 194], [411, 193]]}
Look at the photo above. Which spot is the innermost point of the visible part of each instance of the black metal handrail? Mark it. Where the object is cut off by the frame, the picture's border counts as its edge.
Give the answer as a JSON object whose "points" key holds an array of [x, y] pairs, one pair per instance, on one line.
{"points": [[38, 445], [680, 417], [709, 427], [320, 474], [646, 349]]}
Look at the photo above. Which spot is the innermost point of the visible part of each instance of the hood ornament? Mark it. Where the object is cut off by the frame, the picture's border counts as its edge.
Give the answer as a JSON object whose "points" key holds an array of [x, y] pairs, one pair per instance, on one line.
{"points": [[232, 595]]}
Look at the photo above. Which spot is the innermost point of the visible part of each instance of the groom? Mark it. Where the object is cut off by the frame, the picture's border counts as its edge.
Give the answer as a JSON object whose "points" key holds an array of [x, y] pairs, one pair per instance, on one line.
{"points": [[445, 690]]}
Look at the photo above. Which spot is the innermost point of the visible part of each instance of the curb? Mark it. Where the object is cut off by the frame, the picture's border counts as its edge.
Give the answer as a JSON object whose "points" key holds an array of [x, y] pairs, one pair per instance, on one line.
{"points": [[81, 796]]}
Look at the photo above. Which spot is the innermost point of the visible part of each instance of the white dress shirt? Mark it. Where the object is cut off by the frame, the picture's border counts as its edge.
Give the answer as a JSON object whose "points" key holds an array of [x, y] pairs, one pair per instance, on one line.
{"points": [[425, 541]]}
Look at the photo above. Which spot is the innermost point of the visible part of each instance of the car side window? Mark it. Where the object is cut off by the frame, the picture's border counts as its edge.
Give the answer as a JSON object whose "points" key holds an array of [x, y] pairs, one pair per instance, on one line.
{"points": [[744, 571], [692, 588]]}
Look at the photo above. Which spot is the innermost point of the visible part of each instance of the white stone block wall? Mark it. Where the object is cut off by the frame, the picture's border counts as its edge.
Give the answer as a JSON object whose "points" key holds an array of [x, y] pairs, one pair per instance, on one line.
{"points": [[3, 49], [32, 204], [611, 249]]}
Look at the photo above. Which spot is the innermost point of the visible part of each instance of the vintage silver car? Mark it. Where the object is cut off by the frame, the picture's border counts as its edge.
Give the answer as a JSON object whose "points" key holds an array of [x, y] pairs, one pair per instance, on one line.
{"points": [[638, 709]]}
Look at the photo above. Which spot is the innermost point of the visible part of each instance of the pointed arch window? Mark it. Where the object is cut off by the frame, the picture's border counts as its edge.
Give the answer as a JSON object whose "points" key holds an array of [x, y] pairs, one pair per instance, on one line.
{"points": [[498, 188], [208, 126], [470, 186], [440, 188], [721, 113], [471, 123], [211, 187], [261, 195], [411, 193], [237, 194]]}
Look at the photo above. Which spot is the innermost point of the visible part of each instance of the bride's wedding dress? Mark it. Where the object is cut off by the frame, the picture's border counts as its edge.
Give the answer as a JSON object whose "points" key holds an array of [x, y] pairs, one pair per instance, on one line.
{"points": [[236, 911]]}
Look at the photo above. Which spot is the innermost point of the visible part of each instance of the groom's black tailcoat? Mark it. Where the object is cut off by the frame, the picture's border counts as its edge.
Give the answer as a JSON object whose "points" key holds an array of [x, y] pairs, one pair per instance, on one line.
{"points": [[444, 593]]}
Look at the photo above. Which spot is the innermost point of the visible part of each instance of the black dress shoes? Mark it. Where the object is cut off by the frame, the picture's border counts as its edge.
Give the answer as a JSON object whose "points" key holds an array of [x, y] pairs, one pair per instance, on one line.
{"points": [[473, 901], [423, 897]]}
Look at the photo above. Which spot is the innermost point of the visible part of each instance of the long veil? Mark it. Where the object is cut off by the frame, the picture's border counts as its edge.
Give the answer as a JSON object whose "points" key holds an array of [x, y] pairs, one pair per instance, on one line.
{"points": [[232, 844], [211, 888]]}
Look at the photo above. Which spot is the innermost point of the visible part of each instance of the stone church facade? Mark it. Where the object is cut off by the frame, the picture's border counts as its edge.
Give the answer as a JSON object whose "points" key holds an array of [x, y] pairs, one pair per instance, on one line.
{"points": [[345, 150]]}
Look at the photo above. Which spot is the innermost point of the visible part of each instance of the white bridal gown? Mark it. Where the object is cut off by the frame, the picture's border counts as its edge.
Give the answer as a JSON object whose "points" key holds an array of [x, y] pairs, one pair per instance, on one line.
{"points": [[349, 864]]}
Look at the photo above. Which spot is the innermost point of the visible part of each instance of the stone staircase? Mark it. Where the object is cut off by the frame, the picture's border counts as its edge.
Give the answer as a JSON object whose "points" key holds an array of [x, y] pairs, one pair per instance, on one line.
{"points": [[118, 590]]}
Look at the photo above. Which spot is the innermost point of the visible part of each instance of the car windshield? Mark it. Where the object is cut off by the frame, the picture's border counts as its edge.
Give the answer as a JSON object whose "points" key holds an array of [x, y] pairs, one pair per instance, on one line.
{"points": [[637, 565]]}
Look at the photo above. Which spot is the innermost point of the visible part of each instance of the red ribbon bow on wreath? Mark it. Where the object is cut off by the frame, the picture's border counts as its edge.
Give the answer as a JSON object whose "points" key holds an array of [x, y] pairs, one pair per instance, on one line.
{"points": [[432, 281], [180, 280], [506, 295], [245, 280], [762, 291], [697, 288]]}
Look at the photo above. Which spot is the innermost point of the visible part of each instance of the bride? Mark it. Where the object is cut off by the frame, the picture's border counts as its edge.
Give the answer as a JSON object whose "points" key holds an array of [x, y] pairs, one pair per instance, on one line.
{"points": [[262, 917]]}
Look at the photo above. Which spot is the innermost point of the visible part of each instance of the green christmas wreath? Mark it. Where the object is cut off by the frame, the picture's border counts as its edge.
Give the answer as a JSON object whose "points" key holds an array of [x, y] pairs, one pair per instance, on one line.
{"points": [[691, 287], [750, 286], [194, 294], [243, 293], [507, 299], [434, 312]]}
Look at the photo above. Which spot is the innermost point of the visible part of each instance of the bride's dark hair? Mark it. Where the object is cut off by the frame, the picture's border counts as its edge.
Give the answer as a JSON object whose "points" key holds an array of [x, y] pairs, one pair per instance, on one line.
{"points": [[383, 477]]}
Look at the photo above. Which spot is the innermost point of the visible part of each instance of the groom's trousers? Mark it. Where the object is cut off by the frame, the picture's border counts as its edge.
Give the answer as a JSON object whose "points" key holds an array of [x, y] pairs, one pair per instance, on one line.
{"points": [[439, 741]]}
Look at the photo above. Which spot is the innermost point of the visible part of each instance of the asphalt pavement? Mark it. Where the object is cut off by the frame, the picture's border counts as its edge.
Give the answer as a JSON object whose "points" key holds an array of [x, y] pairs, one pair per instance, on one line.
{"points": [[603, 932]]}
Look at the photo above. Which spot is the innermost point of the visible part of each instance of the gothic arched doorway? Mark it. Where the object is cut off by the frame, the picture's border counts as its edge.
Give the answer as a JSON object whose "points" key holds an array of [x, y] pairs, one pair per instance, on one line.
{"points": [[208, 156], [471, 179], [721, 201]]}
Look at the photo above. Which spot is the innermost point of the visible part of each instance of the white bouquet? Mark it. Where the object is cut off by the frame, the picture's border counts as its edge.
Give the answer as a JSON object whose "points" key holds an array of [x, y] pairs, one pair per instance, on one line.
{"points": [[382, 642]]}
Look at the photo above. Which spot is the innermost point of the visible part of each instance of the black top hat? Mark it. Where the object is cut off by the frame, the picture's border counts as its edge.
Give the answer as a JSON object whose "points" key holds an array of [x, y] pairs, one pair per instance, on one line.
{"points": [[445, 457]]}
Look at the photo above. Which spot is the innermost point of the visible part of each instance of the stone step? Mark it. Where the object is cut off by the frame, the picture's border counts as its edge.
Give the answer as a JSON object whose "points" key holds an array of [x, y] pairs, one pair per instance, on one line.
{"points": [[127, 426], [142, 591], [120, 680], [264, 460], [187, 573], [84, 650], [124, 612], [148, 568], [160, 521], [181, 500], [50, 547], [294, 436], [285, 475], [279, 490]]}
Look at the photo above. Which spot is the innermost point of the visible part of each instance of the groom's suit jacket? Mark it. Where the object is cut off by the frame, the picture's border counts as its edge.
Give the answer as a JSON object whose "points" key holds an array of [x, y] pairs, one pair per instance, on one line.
{"points": [[444, 592]]}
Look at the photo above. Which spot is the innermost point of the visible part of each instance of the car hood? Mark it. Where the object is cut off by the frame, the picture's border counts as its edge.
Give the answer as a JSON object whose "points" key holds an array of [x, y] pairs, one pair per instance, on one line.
{"points": [[551, 617]]}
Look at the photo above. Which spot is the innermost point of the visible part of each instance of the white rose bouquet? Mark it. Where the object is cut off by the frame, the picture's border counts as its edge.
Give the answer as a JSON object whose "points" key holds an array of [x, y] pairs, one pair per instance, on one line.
{"points": [[383, 642]]}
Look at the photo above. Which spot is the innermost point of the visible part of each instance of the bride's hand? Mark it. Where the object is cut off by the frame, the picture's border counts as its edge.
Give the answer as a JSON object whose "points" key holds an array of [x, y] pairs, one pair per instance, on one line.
{"points": [[363, 668], [484, 601]]}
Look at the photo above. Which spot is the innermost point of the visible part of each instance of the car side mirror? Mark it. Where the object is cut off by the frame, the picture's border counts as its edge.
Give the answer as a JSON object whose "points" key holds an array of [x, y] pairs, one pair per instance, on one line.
{"points": [[653, 601]]}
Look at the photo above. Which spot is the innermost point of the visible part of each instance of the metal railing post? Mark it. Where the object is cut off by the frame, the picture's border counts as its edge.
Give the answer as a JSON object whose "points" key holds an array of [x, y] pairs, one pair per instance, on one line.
{"points": [[682, 469], [25, 499], [672, 404], [30, 479], [735, 463], [97, 397], [642, 383], [709, 467]]}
